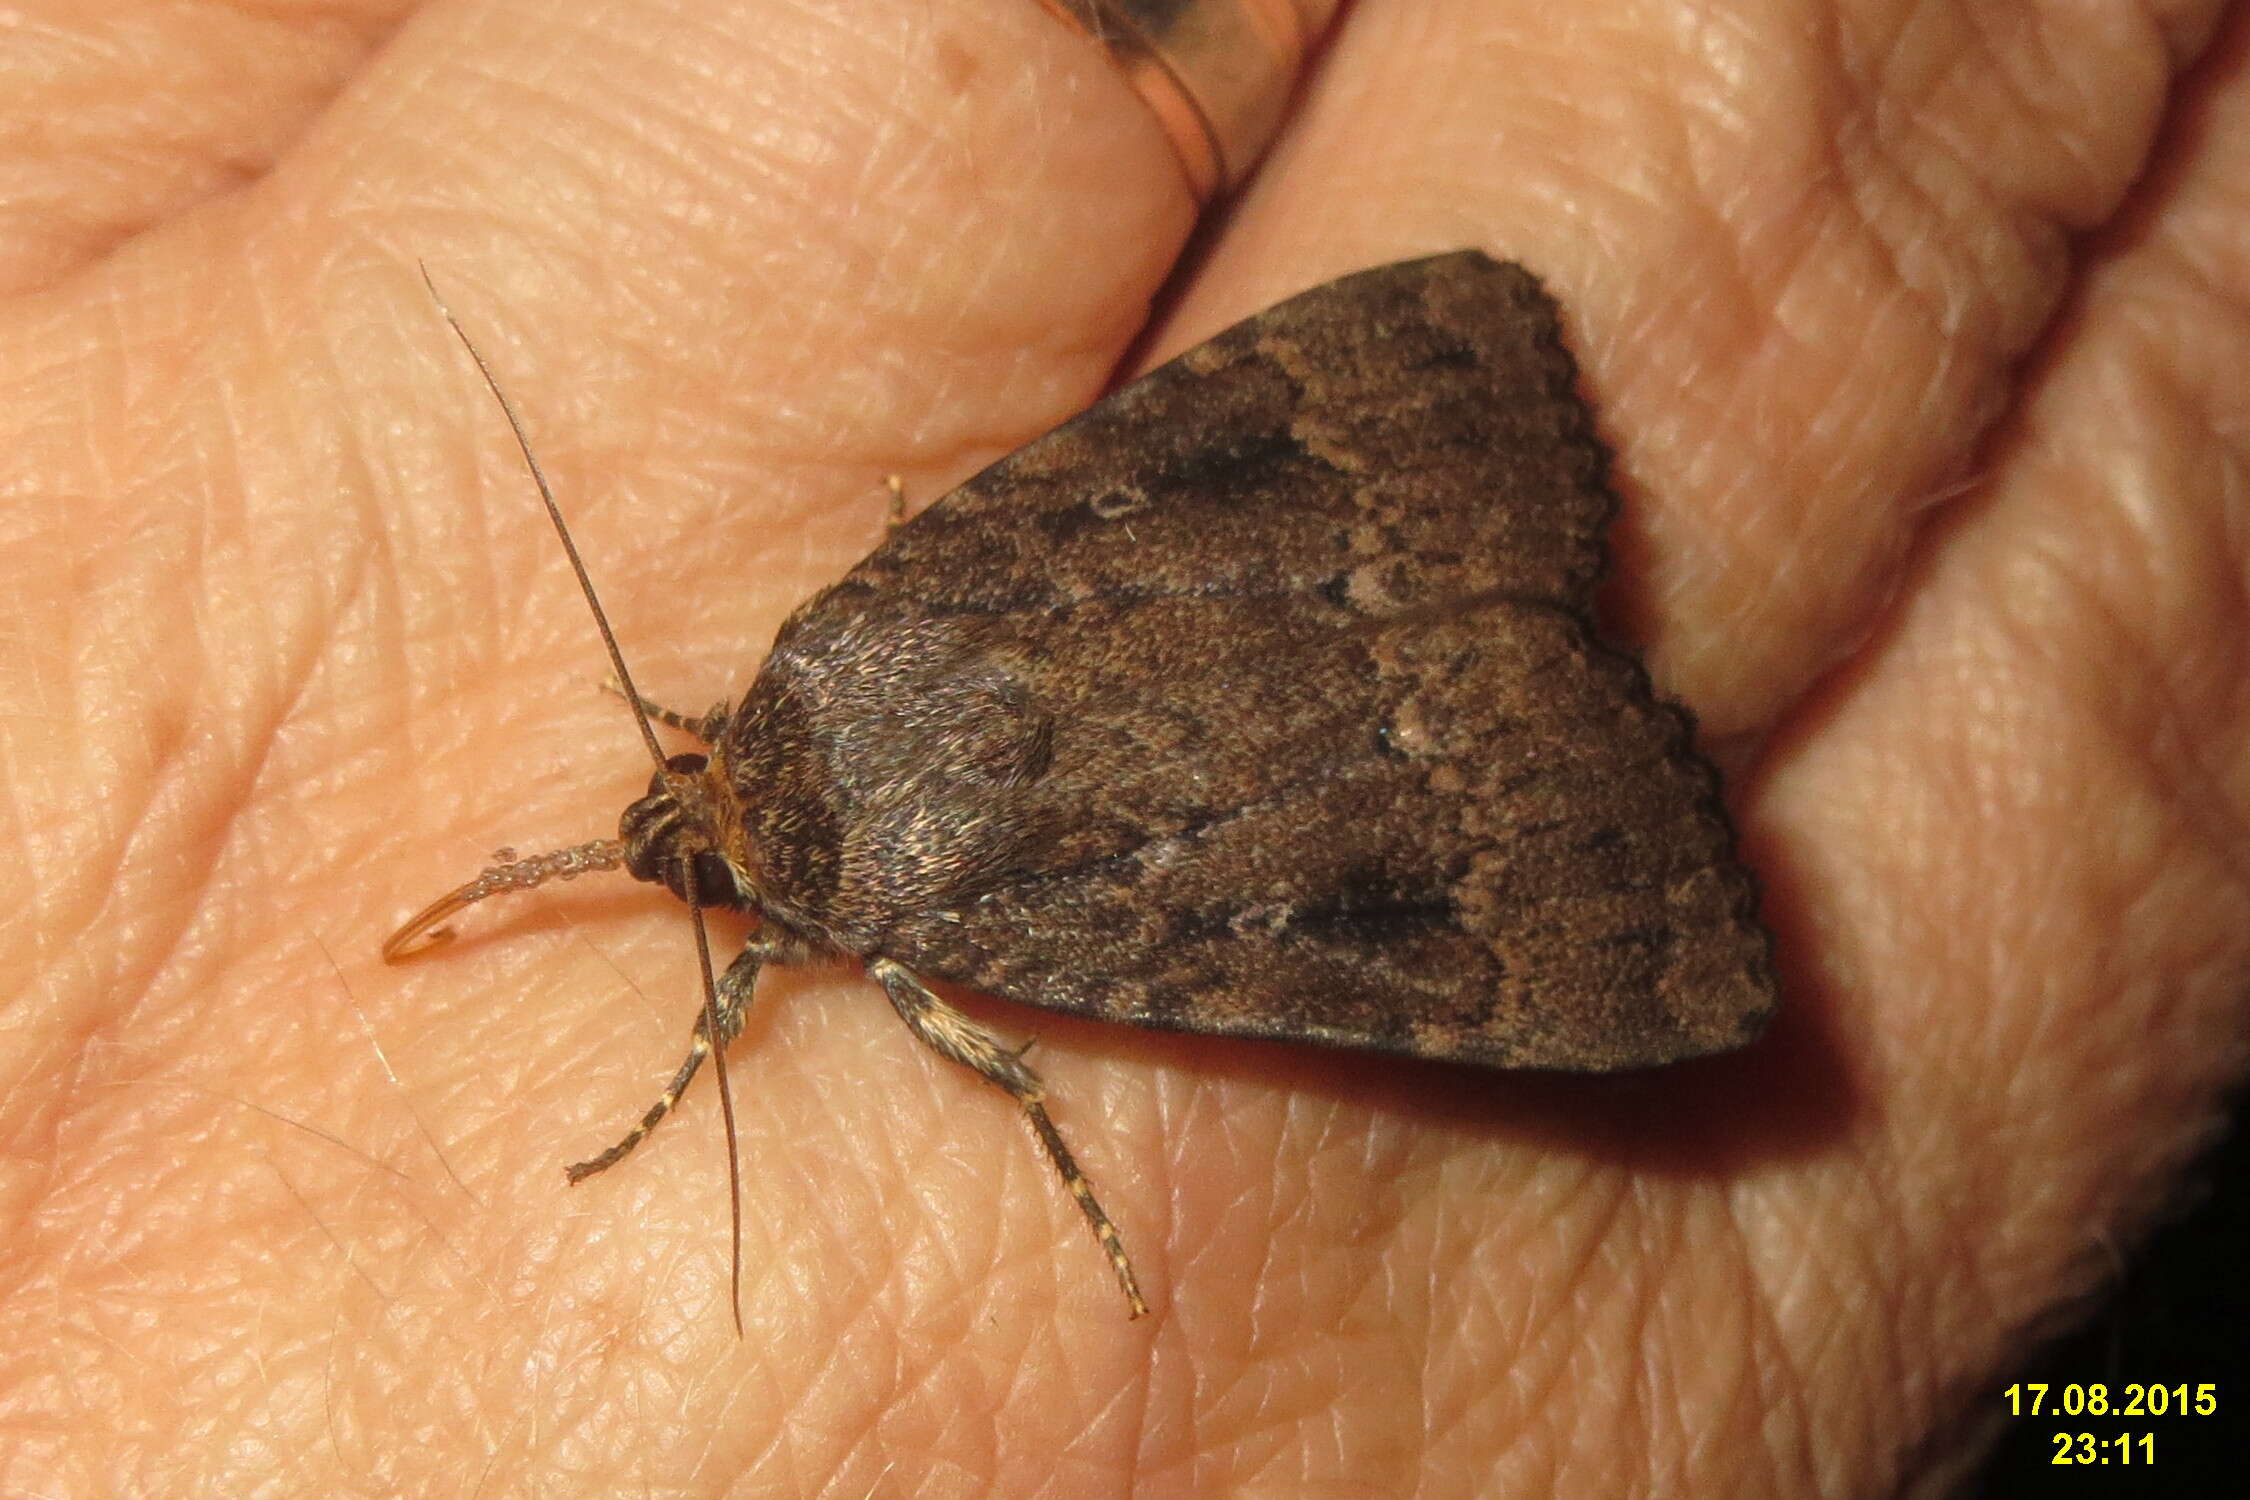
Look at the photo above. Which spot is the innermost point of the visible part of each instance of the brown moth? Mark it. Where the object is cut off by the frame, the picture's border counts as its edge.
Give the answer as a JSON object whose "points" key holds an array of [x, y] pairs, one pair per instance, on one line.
{"points": [[1262, 700]]}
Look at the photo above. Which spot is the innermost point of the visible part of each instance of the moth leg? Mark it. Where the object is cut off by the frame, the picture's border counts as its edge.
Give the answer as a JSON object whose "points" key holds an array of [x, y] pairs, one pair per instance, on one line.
{"points": [[735, 986], [953, 1035], [707, 728], [897, 514]]}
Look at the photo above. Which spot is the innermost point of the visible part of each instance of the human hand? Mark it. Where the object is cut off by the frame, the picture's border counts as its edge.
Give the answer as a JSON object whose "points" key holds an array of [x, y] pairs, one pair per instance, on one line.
{"points": [[1931, 514]]}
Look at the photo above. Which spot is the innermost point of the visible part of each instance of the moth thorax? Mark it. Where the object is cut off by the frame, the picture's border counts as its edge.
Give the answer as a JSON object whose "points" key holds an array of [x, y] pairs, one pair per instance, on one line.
{"points": [[675, 826]]}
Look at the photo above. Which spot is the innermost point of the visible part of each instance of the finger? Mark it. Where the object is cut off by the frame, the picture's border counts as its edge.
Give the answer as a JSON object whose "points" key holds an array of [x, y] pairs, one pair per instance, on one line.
{"points": [[815, 229], [2022, 822], [1800, 263], [115, 117]]}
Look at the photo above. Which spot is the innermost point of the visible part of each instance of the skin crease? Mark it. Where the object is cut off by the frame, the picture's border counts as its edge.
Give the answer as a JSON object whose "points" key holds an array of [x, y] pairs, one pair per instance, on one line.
{"points": [[1910, 325]]}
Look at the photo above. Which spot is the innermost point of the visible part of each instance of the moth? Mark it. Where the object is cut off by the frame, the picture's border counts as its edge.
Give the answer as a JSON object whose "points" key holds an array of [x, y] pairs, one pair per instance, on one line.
{"points": [[1264, 699]]}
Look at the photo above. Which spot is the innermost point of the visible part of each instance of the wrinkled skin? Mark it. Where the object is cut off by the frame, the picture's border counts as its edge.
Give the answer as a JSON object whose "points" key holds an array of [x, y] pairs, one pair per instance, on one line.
{"points": [[1920, 332]]}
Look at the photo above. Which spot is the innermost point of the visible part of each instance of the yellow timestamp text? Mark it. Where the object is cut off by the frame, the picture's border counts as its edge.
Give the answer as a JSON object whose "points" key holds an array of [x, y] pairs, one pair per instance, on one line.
{"points": [[2133, 1399], [2089, 1448]]}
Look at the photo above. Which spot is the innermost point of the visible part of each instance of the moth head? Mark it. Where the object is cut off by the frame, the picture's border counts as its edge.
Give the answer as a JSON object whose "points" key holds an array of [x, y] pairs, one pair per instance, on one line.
{"points": [[676, 828]]}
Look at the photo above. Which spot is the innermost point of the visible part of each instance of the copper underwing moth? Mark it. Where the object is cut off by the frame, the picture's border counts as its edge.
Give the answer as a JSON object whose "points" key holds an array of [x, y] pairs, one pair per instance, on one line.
{"points": [[1264, 699]]}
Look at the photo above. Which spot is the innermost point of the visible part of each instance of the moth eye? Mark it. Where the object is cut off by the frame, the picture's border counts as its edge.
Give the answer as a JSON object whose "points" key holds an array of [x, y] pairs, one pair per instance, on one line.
{"points": [[715, 884], [714, 881], [679, 765]]}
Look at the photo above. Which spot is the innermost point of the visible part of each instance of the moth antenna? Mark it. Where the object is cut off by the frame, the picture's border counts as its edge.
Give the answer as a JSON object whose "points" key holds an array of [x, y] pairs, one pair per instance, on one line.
{"points": [[726, 1090], [423, 931], [425, 924], [624, 673]]}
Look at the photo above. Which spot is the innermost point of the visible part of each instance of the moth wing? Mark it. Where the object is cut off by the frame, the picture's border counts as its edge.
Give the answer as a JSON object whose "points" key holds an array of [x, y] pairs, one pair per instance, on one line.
{"points": [[1396, 439], [1328, 749], [1403, 838]]}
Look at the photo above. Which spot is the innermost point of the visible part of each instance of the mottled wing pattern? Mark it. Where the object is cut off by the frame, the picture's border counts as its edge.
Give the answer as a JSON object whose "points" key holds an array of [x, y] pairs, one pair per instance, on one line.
{"points": [[1328, 751], [1404, 437]]}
